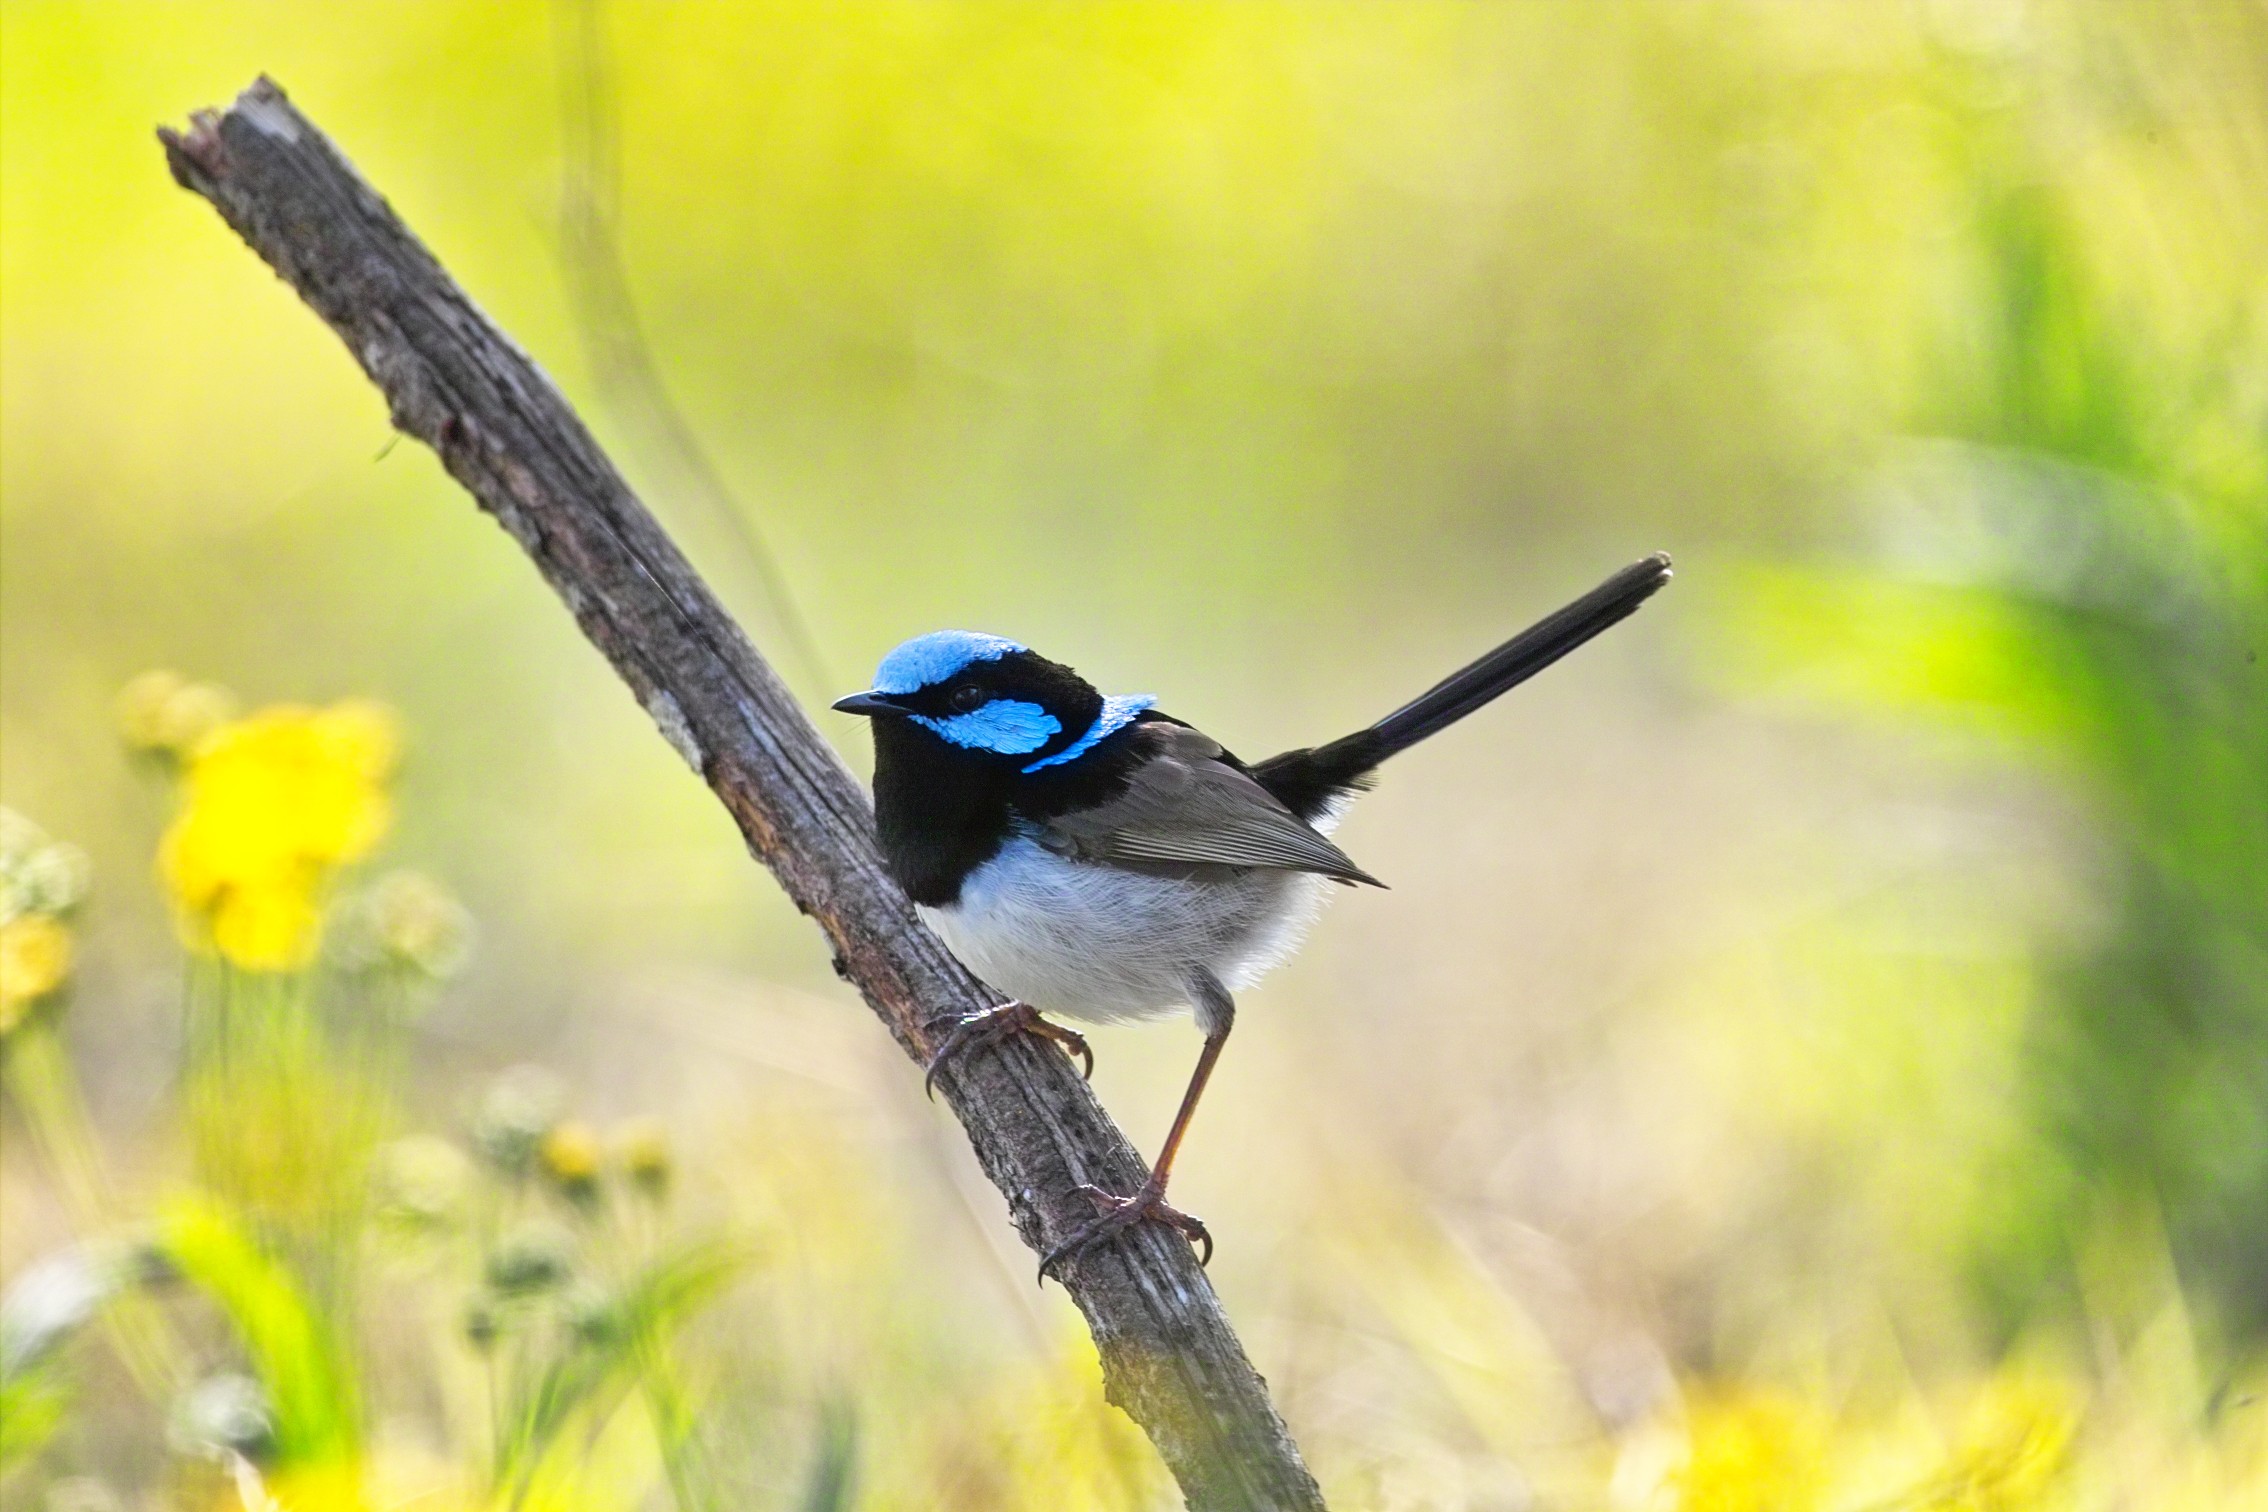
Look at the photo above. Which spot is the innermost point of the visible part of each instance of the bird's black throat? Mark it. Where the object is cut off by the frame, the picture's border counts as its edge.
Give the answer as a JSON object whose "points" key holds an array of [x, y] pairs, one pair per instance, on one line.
{"points": [[941, 812]]}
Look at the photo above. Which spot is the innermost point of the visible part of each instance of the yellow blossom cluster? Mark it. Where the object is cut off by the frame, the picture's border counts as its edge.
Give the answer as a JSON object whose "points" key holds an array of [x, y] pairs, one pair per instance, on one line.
{"points": [[41, 881], [571, 1154], [398, 1477], [1753, 1451], [35, 959], [272, 804], [2014, 1448]]}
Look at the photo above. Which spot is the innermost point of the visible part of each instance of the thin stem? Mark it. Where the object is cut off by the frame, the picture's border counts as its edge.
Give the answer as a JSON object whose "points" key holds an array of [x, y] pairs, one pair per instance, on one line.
{"points": [[44, 1086]]}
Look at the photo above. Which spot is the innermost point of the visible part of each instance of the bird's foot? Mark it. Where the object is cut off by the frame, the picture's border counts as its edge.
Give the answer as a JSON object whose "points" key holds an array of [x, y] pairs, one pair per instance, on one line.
{"points": [[992, 1025], [1115, 1215]]}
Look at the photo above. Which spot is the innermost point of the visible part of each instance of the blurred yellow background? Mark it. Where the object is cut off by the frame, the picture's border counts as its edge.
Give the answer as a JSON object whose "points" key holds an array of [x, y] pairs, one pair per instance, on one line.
{"points": [[1814, 1052]]}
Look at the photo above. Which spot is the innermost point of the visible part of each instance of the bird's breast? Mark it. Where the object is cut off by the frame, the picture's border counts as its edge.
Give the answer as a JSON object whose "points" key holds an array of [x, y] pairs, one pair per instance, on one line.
{"points": [[1104, 943]]}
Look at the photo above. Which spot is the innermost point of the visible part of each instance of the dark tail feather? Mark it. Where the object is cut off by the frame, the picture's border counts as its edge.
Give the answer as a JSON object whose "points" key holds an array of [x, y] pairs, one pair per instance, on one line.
{"points": [[1306, 780], [1521, 657]]}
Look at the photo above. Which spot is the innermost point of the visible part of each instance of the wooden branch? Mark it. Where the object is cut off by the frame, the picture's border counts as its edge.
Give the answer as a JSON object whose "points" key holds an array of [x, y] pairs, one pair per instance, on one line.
{"points": [[457, 383]]}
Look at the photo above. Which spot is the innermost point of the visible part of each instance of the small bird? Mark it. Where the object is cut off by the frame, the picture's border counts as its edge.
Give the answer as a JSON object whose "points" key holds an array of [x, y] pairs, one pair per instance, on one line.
{"points": [[1095, 857]]}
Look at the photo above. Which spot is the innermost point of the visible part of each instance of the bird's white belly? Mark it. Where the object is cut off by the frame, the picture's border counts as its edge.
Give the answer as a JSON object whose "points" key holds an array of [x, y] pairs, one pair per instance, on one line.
{"points": [[1100, 943]]}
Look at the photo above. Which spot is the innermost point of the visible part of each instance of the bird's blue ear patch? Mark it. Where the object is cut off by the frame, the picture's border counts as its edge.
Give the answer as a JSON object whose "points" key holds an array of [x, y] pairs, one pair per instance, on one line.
{"points": [[1005, 726], [1118, 711], [927, 660]]}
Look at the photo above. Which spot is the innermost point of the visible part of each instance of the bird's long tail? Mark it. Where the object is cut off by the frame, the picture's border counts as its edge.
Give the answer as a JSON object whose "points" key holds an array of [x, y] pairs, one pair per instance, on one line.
{"points": [[1306, 780]]}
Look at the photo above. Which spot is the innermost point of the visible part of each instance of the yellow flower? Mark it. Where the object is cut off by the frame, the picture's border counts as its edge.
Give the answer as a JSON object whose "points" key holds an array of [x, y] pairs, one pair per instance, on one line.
{"points": [[571, 1154], [331, 1487], [272, 804], [642, 1147], [2014, 1446], [389, 1480], [35, 959], [266, 928], [365, 733], [1752, 1451]]}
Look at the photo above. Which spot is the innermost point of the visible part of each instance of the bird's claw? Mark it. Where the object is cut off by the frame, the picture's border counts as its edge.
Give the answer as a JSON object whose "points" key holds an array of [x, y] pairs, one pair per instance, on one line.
{"points": [[992, 1025], [1117, 1214]]}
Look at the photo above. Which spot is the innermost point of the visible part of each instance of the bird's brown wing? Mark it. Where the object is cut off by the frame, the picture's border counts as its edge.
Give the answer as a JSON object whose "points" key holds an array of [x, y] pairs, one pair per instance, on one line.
{"points": [[1185, 804]]}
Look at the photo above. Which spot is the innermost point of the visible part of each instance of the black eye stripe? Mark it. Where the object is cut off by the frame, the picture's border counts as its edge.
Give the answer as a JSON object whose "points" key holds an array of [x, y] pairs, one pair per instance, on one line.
{"points": [[1020, 678]]}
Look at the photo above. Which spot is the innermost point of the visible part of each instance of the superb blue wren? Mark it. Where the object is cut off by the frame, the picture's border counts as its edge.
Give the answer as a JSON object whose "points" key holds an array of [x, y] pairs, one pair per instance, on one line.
{"points": [[1095, 857]]}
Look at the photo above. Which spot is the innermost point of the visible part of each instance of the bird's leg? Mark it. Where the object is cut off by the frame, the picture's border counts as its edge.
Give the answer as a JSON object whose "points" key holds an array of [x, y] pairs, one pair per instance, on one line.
{"points": [[991, 1025], [1115, 1214]]}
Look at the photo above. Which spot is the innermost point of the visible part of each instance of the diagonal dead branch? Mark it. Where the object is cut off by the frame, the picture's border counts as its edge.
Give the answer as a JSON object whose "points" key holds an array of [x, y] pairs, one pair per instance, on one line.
{"points": [[457, 383]]}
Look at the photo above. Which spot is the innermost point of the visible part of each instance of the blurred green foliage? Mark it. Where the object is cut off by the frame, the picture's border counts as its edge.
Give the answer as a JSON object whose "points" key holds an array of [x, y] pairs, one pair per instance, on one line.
{"points": [[2073, 555], [293, 1347]]}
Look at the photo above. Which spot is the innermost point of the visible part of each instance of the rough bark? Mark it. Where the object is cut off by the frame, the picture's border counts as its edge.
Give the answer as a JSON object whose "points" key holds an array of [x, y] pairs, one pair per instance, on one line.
{"points": [[457, 383]]}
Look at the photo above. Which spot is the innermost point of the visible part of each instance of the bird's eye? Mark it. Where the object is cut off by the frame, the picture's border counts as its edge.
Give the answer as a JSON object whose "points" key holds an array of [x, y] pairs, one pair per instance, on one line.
{"points": [[969, 699]]}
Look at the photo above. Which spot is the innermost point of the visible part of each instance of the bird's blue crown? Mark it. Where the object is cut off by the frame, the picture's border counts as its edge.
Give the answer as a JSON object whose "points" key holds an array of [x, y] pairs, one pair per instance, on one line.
{"points": [[927, 660], [1004, 726]]}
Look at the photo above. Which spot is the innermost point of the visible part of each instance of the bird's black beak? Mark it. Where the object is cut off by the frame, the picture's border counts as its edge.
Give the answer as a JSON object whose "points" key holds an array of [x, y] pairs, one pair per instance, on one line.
{"points": [[869, 704]]}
